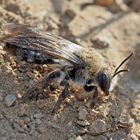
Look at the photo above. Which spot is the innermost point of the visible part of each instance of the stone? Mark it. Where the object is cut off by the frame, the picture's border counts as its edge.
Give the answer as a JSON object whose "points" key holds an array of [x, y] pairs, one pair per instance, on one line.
{"points": [[53, 125], [13, 7], [83, 123], [70, 13], [103, 2], [100, 42], [71, 139], [83, 114], [27, 120], [120, 135], [38, 116], [32, 128], [10, 100], [82, 131], [22, 111], [97, 127], [132, 137], [40, 129], [79, 138], [101, 138], [38, 121], [69, 124]]}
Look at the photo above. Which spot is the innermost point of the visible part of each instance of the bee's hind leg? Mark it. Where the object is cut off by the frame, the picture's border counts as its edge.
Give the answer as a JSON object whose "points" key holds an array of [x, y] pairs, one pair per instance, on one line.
{"points": [[65, 93], [36, 90]]}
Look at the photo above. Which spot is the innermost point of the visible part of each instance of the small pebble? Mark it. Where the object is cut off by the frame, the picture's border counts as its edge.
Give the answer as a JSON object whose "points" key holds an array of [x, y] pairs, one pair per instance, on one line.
{"points": [[69, 123], [38, 116], [101, 138], [18, 95], [40, 104], [21, 123], [83, 123], [13, 7], [103, 2], [22, 112], [79, 138], [20, 130], [71, 138], [82, 131], [53, 125], [27, 120], [97, 127], [83, 114], [118, 136], [32, 128], [100, 43], [132, 137], [38, 121], [40, 129], [70, 13], [10, 100], [30, 74]]}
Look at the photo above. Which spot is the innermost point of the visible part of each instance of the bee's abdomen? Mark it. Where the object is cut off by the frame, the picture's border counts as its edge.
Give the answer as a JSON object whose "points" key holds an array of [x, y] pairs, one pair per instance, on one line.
{"points": [[30, 56]]}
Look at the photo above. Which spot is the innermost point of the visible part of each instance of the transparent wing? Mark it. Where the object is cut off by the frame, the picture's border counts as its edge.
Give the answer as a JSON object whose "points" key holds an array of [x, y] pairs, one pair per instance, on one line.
{"points": [[31, 38]]}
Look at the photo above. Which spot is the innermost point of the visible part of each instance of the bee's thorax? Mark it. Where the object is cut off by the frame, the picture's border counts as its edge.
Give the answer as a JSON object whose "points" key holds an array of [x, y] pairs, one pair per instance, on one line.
{"points": [[94, 60]]}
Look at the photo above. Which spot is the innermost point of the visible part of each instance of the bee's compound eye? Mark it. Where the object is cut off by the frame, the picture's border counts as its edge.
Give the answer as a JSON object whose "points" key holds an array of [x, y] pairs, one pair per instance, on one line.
{"points": [[104, 82], [102, 78]]}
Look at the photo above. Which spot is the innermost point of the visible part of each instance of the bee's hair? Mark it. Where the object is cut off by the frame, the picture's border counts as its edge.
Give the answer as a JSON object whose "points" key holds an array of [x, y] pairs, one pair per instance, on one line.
{"points": [[117, 71]]}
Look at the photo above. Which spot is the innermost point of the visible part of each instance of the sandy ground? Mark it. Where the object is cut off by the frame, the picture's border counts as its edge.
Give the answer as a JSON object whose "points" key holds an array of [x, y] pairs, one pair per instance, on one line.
{"points": [[114, 118]]}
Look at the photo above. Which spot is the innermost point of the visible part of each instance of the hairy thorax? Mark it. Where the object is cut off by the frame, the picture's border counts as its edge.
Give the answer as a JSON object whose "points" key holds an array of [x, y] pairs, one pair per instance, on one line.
{"points": [[94, 60]]}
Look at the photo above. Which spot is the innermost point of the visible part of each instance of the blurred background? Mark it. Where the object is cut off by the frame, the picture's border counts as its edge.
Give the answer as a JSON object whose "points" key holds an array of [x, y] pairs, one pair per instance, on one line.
{"points": [[112, 27]]}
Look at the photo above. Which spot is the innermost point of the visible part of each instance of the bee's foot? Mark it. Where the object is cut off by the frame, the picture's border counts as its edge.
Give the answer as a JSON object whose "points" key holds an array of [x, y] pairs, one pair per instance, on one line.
{"points": [[56, 108], [65, 93], [32, 93], [92, 105]]}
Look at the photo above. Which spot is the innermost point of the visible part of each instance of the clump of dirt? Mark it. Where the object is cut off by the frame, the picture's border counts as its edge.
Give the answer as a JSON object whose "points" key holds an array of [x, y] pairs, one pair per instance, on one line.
{"points": [[114, 117]]}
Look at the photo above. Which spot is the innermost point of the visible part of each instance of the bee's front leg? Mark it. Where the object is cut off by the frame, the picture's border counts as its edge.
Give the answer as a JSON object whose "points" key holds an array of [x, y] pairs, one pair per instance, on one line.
{"points": [[65, 93], [38, 88]]}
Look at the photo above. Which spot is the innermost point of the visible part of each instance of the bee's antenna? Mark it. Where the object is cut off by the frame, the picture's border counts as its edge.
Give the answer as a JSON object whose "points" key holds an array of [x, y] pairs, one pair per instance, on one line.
{"points": [[116, 71]]}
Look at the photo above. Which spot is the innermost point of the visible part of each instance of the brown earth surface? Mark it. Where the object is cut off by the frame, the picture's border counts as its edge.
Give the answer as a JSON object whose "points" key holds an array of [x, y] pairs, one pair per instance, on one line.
{"points": [[114, 118]]}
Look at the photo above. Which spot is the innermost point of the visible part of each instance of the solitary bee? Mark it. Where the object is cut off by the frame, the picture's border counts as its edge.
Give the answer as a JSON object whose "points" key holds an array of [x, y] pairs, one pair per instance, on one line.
{"points": [[83, 66]]}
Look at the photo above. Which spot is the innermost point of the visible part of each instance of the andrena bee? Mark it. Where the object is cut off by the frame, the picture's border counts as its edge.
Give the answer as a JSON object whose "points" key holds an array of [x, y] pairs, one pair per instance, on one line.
{"points": [[83, 66]]}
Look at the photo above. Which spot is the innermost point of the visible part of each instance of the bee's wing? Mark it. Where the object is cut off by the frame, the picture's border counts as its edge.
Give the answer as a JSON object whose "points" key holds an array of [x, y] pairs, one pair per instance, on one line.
{"points": [[45, 43]]}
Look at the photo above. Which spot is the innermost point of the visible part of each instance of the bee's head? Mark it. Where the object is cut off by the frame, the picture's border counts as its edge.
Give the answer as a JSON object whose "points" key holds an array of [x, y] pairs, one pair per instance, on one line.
{"points": [[104, 79]]}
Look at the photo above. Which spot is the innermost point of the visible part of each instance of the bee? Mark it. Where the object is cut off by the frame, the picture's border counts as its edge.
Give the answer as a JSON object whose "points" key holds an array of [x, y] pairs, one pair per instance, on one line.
{"points": [[84, 67]]}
